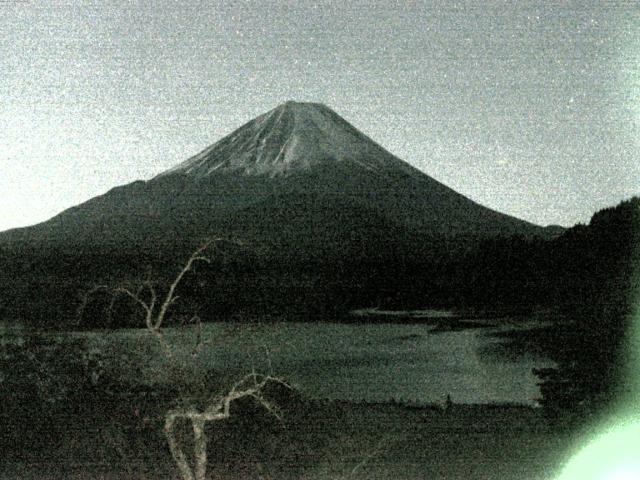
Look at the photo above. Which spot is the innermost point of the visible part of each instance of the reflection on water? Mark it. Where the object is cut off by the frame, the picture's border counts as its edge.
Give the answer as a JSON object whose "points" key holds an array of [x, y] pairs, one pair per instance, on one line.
{"points": [[373, 362], [405, 362]]}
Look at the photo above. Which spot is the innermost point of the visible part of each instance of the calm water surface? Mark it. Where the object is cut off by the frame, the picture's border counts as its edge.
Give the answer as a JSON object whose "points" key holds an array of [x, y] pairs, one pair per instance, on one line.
{"points": [[373, 362]]}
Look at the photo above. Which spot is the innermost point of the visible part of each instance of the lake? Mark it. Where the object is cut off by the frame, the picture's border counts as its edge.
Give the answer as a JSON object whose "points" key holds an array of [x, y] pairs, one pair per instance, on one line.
{"points": [[372, 362], [414, 363]]}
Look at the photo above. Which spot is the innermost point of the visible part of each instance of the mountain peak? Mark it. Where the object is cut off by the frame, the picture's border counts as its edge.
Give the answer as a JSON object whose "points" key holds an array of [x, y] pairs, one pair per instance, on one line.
{"points": [[302, 107], [294, 136], [294, 104]]}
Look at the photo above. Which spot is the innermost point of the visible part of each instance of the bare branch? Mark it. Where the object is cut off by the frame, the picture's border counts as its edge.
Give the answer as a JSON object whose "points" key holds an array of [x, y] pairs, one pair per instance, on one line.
{"points": [[171, 297], [250, 385], [112, 304], [176, 452], [148, 308], [85, 298], [218, 408], [200, 448]]}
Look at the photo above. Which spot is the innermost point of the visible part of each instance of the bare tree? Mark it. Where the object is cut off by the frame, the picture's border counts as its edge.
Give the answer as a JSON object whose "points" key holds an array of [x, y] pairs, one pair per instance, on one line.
{"points": [[155, 308], [251, 386]]}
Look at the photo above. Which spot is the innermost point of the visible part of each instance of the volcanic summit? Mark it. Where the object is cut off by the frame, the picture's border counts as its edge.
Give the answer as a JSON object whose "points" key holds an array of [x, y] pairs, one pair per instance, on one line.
{"points": [[299, 178], [292, 137]]}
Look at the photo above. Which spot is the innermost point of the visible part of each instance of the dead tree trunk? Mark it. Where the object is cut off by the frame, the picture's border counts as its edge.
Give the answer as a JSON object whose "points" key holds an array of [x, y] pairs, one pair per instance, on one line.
{"points": [[251, 385], [146, 296]]}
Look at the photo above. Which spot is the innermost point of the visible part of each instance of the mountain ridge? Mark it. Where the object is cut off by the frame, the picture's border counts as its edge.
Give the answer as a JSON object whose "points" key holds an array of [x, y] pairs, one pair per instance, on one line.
{"points": [[304, 152]]}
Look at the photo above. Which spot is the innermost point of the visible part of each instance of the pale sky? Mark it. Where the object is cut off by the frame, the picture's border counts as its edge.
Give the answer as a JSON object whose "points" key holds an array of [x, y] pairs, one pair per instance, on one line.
{"points": [[529, 107]]}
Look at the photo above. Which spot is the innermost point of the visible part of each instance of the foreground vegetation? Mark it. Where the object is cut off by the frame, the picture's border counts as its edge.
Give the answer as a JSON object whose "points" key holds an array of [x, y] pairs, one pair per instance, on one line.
{"points": [[312, 440], [68, 410]]}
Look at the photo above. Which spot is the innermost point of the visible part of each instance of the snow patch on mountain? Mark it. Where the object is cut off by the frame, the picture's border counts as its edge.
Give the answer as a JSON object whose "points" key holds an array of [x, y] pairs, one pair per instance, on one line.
{"points": [[291, 137]]}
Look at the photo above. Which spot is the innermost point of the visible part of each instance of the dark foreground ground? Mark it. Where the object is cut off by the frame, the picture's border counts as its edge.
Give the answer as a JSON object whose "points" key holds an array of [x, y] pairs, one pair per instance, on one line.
{"points": [[314, 440]]}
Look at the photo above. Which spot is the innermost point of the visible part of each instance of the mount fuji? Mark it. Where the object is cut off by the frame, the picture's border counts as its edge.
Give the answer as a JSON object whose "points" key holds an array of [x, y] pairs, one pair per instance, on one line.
{"points": [[299, 179], [330, 220]]}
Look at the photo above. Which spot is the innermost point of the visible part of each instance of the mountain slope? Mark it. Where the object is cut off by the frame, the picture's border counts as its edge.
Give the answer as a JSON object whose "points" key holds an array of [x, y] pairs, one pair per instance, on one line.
{"points": [[292, 137], [296, 149]]}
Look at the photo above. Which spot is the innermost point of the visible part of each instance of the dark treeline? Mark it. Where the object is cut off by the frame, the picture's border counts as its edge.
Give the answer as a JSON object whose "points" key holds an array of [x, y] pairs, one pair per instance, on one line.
{"points": [[583, 262], [588, 267], [589, 276]]}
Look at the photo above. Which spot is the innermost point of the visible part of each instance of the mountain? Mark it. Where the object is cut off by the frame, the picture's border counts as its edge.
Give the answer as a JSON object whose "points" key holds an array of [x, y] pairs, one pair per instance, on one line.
{"points": [[296, 171], [329, 216], [291, 138]]}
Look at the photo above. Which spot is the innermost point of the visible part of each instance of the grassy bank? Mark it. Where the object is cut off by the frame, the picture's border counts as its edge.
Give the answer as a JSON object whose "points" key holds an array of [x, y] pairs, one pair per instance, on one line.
{"points": [[314, 440]]}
